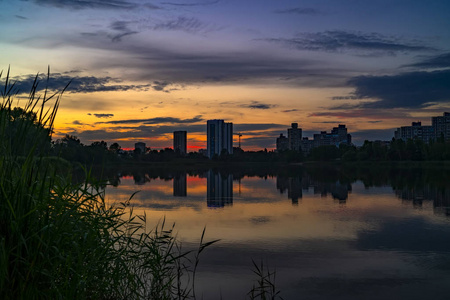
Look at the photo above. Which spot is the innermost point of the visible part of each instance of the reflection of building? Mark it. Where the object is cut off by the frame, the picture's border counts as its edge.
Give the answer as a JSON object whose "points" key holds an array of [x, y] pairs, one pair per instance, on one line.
{"points": [[179, 142], [219, 189], [140, 178], [139, 147], [296, 185], [219, 137], [440, 196], [180, 185]]}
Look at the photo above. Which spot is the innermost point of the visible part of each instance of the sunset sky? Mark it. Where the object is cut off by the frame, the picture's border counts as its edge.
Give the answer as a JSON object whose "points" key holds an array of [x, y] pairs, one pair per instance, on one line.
{"points": [[143, 69]]}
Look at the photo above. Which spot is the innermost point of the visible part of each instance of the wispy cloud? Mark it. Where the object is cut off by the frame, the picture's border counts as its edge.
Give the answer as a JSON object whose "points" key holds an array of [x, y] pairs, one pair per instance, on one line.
{"points": [[344, 98], [299, 11], [338, 40], [21, 17], [186, 24], [439, 61], [103, 116], [201, 3], [88, 4], [290, 110], [159, 120], [121, 27], [258, 105]]}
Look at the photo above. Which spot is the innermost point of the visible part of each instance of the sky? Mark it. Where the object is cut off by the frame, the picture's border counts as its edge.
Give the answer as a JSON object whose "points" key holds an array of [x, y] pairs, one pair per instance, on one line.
{"points": [[143, 69]]}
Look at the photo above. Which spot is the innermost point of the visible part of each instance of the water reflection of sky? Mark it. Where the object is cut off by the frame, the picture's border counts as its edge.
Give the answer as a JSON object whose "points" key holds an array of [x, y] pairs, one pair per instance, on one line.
{"points": [[340, 241]]}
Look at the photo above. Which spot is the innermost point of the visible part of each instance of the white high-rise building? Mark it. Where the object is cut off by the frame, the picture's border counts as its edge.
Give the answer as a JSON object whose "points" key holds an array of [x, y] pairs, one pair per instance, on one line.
{"points": [[219, 137]]}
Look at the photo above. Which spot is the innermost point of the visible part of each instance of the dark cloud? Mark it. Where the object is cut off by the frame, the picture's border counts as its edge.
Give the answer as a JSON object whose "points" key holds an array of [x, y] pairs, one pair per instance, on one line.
{"points": [[358, 42], [78, 84], [406, 90], [76, 122], [256, 127], [383, 114], [122, 28], [327, 122], [158, 120], [105, 116], [258, 105], [299, 11], [21, 17], [160, 85], [440, 61], [203, 3], [289, 110], [344, 98], [86, 4]]}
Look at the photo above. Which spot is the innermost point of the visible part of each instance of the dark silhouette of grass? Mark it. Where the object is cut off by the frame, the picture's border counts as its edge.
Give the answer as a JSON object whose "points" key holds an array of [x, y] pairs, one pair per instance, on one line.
{"points": [[61, 240]]}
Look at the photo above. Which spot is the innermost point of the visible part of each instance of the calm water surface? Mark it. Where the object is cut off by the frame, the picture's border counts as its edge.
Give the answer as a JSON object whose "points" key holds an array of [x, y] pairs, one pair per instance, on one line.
{"points": [[330, 234]]}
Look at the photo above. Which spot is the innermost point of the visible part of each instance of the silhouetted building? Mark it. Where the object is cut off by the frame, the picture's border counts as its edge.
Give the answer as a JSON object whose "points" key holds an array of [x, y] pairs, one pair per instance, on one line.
{"points": [[415, 131], [179, 142], [441, 126], [294, 137], [282, 143], [219, 189], [219, 137], [180, 185], [139, 147], [336, 137]]}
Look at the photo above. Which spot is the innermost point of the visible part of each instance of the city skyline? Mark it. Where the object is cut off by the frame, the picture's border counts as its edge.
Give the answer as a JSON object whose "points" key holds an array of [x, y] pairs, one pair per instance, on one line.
{"points": [[144, 69]]}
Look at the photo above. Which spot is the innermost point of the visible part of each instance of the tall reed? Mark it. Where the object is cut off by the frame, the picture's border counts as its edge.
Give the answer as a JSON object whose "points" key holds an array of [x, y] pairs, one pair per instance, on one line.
{"points": [[61, 240]]}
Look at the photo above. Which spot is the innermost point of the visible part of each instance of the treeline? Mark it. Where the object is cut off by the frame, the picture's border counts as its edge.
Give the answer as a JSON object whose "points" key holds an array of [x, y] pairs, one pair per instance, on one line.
{"points": [[397, 150], [71, 149]]}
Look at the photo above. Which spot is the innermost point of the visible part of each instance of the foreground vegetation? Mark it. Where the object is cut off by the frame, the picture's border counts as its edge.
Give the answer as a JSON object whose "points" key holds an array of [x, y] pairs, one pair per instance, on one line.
{"points": [[59, 239]]}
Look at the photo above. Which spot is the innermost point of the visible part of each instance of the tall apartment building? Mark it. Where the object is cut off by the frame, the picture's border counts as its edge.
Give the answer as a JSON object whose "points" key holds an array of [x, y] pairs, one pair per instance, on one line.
{"points": [[219, 137], [294, 137], [179, 142], [441, 126]]}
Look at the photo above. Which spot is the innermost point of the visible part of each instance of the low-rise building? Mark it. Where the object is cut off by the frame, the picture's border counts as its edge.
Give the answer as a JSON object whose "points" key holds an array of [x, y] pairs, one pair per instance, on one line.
{"points": [[415, 131], [139, 146], [282, 143]]}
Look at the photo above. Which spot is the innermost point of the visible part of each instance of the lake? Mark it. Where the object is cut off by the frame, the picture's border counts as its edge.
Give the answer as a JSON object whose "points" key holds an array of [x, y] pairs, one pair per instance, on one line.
{"points": [[328, 232]]}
